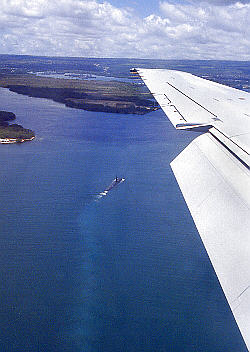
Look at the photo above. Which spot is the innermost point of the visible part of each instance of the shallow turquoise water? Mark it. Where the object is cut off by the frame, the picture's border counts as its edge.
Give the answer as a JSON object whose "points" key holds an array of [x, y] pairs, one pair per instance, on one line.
{"points": [[126, 272]]}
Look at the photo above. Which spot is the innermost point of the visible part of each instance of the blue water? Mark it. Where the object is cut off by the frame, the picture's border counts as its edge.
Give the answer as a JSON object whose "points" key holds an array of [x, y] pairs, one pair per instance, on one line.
{"points": [[124, 273], [88, 77]]}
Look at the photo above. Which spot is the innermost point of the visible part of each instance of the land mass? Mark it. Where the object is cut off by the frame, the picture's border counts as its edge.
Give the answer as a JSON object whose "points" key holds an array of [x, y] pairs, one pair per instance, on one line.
{"points": [[112, 97], [13, 133]]}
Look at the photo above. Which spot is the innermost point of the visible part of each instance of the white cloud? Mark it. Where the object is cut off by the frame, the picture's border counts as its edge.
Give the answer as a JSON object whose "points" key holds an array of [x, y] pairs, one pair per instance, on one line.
{"points": [[195, 30], [219, 2]]}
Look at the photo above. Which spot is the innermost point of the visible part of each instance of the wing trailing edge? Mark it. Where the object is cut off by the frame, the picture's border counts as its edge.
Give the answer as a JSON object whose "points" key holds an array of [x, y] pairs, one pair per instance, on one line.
{"points": [[216, 187], [213, 174], [193, 103]]}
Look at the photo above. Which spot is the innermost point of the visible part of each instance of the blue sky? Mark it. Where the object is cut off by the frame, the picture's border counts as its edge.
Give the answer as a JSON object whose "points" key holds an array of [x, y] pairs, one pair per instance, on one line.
{"points": [[168, 29], [142, 8]]}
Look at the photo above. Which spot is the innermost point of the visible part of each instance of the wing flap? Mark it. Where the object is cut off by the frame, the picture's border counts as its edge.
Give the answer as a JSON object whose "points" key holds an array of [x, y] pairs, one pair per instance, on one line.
{"points": [[216, 188]]}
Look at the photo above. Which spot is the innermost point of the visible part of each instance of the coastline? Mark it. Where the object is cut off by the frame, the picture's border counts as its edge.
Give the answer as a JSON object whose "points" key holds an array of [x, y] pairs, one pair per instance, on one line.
{"points": [[13, 133], [99, 96], [15, 140]]}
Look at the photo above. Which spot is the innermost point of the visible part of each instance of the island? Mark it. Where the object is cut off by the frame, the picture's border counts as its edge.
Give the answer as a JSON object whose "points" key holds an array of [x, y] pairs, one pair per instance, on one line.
{"points": [[13, 133], [104, 96]]}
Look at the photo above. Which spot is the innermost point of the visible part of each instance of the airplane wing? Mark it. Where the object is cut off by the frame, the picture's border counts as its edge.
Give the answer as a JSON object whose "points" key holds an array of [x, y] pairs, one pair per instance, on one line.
{"points": [[213, 174]]}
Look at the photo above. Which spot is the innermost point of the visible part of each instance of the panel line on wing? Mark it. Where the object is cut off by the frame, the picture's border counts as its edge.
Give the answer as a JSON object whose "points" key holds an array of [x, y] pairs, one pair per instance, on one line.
{"points": [[237, 300], [243, 158], [168, 98], [230, 150], [176, 110], [243, 291], [210, 112]]}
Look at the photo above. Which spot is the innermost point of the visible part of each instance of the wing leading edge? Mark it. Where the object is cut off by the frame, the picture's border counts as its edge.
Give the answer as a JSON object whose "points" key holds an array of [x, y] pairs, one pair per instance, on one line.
{"points": [[213, 174]]}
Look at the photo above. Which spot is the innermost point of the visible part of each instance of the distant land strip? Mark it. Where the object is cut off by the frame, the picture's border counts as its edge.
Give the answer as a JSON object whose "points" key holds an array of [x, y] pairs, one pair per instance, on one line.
{"points": [[111, 97]]}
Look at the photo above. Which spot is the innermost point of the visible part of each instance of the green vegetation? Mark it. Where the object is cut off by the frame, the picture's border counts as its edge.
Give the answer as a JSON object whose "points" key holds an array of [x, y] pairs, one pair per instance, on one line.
{"points": [[118, 97], [13, 131], [16, 132]]}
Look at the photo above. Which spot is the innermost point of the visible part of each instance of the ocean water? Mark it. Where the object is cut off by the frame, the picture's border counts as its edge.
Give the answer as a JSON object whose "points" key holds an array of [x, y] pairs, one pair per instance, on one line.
{"points": [[125, 272], [87, 77]]}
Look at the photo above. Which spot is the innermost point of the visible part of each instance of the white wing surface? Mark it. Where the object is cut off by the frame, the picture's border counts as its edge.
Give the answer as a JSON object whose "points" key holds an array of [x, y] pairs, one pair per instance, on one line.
{"points": [[213, 174]]}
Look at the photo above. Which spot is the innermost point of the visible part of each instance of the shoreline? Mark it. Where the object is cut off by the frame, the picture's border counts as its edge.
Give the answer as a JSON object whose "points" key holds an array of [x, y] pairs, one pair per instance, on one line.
{"points": [[15, 140], [99, 96]]}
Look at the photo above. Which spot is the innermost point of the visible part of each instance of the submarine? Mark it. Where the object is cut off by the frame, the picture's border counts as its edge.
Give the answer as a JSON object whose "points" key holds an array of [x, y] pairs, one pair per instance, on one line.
{"points": [[114, 183]]}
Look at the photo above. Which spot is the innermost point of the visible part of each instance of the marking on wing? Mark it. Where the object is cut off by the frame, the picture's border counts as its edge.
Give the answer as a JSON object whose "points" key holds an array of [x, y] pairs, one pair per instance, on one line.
{"points": [[177, 117], [216, 118], [194, 101], [243, 291], [167, 98], [235, 300], [240, 134]]}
